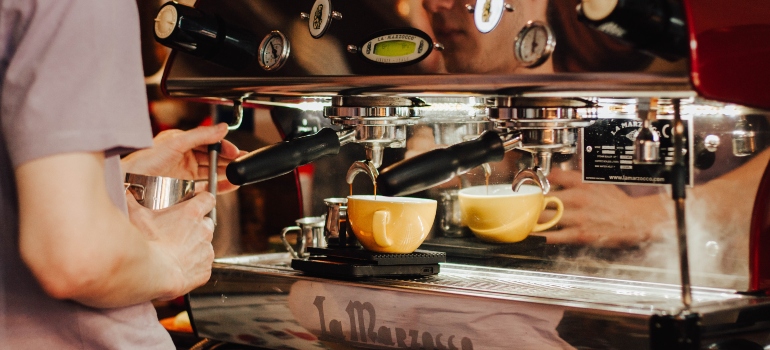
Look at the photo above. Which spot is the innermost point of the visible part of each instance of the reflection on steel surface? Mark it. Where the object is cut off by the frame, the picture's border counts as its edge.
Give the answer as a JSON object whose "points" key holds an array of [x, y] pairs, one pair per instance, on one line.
{"points": [[251, 299], [564, 289]]}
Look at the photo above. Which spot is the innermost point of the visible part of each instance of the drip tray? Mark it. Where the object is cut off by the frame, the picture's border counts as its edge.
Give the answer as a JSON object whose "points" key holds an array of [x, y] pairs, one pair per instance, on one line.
{"points": [[361, 263]]}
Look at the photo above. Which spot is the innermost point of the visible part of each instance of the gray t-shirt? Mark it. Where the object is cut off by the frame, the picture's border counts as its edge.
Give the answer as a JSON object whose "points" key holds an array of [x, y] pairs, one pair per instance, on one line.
{"points": [[70, 81]]}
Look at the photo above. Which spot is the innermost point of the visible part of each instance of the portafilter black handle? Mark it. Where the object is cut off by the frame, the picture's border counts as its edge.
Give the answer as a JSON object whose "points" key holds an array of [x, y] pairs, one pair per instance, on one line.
{"points": [[283, 157], [440, 165]]}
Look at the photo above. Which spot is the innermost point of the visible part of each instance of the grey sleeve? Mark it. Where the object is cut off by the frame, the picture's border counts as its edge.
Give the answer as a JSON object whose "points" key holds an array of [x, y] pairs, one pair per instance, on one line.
{"points": [[74, 82]]}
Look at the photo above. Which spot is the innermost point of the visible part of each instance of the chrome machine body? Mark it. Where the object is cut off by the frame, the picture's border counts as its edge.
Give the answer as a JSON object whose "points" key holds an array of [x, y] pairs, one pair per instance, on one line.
{"points": [[678, 102]]}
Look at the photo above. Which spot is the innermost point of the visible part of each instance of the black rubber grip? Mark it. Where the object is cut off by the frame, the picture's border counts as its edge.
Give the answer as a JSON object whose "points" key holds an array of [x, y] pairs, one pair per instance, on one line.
{"points": [[215, 147], [281, 158], [440, 165]]}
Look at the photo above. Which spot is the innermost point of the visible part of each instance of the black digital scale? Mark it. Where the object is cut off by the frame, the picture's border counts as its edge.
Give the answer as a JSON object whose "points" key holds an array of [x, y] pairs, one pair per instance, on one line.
{"points": [[472, 247], [357, 262]]}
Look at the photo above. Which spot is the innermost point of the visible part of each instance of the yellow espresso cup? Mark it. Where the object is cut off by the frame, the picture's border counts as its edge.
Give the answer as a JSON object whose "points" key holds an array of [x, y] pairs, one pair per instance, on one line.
{"points": [[498, 214], [391, 224]]}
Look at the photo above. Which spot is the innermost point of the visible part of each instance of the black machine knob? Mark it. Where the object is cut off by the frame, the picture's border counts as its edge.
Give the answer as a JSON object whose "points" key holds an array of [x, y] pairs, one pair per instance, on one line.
{"points": [[283, 157], [207, 36], [440, 165], [654, 26]]}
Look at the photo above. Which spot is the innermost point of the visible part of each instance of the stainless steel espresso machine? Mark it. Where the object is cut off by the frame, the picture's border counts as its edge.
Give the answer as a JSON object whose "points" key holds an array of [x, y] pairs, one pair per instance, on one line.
{"points": [[649, 120]]}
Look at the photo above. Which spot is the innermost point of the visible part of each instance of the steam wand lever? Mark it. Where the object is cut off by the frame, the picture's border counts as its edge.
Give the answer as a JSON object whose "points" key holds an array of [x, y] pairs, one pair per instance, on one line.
{"points": [[214, 150]]}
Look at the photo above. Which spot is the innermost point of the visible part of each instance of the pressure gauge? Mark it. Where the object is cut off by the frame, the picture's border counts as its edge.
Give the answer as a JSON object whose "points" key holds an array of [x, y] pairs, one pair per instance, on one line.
{"points": [[273, 51], [534, 44]]}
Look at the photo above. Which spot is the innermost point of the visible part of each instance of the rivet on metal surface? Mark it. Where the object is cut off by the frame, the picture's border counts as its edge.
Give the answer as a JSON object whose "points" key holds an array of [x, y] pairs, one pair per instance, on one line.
{"points": [[711, 142]]}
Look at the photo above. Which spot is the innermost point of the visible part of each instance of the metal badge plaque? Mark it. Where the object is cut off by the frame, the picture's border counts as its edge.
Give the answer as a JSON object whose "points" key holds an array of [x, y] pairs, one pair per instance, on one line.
{"points": [[608, 152], [320, 18], [395, 47], [487, 14]]}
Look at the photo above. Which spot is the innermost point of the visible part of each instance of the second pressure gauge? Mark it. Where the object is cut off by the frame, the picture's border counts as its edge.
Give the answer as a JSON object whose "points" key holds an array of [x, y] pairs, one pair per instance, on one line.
{"points": [[534, 44], [274, 51]]}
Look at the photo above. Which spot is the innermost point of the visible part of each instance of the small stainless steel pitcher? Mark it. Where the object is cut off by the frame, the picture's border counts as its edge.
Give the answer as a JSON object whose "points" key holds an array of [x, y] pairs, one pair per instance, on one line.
{"points": [[158, 192], [450, 216], [336, 219], [310, 233]]}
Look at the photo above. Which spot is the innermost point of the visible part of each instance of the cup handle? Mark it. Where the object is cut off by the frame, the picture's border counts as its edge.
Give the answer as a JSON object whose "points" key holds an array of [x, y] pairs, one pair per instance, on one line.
{"points": [[559, 211], [286, 243], [379, 222]]}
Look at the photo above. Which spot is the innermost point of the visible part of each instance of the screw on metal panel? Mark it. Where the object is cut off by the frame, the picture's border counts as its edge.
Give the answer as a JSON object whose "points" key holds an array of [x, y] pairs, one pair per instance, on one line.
{"points": [[711, 142]]}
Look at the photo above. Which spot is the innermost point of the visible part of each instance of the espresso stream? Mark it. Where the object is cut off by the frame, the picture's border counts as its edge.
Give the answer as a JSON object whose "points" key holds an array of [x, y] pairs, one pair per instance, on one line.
{"points": [[487, 174], [375, 190]]}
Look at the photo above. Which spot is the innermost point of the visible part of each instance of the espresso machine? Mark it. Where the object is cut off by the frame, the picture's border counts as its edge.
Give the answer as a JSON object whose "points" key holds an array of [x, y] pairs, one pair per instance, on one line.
{"points": [[660, 104]]}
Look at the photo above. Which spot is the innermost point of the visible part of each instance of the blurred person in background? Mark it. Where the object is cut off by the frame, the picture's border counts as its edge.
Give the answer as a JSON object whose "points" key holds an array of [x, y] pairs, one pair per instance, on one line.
{"points": [[466, 50], [77, 272], [578, 49]]}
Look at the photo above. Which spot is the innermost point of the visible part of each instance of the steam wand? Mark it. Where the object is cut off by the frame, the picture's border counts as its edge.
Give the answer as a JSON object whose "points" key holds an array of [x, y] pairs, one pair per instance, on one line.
{"points": [[679, 173], [214, 150]]}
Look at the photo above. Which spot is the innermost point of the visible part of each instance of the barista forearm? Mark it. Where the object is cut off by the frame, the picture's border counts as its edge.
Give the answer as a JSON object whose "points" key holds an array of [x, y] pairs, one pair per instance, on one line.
{"points": [[78, 244]]}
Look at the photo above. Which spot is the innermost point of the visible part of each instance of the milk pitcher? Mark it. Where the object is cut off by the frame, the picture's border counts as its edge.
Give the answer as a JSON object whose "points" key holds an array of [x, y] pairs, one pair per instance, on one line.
{"points": [[310, 233]]}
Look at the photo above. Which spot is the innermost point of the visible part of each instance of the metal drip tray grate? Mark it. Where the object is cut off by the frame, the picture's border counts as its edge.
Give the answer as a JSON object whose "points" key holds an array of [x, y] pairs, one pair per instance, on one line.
{"points": [[623, 295], [271, 260], [643, 297]]}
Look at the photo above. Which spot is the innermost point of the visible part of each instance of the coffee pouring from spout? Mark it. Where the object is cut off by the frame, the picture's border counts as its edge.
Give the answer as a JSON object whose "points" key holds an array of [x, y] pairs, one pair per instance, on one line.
{"points": [[362, 166], [533, 175]]}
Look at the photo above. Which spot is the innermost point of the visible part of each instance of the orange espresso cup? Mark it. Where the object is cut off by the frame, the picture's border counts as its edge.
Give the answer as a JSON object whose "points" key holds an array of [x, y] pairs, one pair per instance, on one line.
{"points": [[391, 224]]}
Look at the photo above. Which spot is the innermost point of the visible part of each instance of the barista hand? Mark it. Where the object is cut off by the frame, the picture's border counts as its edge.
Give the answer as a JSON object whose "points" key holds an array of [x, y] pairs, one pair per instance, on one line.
{"points": [[421, 141], [601, 215], [184, 155], [183, 234]]}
